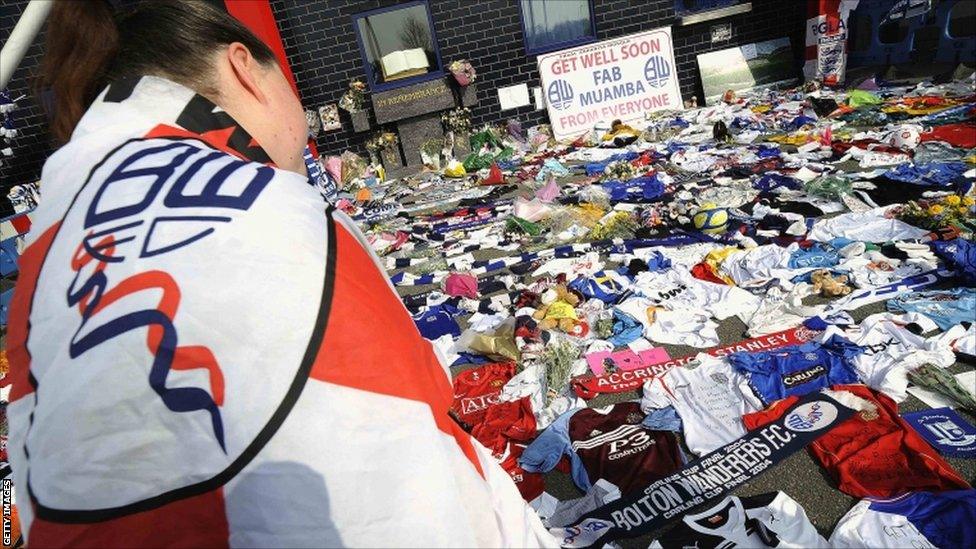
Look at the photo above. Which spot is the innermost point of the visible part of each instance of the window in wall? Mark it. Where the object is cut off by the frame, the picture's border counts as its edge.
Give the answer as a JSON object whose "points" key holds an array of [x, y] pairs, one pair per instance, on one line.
{"points": [[690, 12], [682, 7], [398, 45], [549, 25]]}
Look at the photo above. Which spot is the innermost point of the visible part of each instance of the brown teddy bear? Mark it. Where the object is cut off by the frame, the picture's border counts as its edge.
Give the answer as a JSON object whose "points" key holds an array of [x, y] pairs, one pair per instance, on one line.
{"points": [[828, 285], [558, 310]]}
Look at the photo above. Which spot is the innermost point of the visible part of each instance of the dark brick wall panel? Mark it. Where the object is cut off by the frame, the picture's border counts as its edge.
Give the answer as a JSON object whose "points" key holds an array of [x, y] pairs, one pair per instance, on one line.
{"points": [[321, 47], [489, 34]]}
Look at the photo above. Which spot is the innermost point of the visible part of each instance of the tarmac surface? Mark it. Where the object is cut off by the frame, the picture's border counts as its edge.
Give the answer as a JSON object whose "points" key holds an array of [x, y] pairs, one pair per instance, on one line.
{"points": [[799, 476]]}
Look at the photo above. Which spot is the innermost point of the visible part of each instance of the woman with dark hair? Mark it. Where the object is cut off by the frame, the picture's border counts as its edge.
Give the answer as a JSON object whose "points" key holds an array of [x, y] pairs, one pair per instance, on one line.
{"points": [[204, 353]]}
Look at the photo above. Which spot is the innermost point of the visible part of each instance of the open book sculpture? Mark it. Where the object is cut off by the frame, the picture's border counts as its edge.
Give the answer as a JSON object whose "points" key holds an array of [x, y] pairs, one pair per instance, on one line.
{"points": [[404, 63]]}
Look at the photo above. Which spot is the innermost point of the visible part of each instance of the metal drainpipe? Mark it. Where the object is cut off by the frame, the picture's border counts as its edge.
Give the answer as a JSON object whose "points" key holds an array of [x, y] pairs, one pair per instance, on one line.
{"points": [[22, 37]]}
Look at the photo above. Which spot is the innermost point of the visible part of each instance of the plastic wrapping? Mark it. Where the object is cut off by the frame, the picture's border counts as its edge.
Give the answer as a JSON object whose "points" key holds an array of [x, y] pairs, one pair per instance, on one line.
{"points": [[499, 345], [353, 167], [828, 186], [596, 196]]}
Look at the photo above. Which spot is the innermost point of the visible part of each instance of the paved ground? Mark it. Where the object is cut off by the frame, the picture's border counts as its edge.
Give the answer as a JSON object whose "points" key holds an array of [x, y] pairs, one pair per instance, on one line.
{"points": [[799, 476]]}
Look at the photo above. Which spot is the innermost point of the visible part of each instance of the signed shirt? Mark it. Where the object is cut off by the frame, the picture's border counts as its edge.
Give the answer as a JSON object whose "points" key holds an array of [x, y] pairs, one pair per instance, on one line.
{"points": [[711, 399], [875, 453]]}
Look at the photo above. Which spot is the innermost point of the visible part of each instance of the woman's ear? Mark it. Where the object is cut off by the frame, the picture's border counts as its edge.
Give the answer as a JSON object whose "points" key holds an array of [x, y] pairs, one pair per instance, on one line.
{"points": [[246, 71]]}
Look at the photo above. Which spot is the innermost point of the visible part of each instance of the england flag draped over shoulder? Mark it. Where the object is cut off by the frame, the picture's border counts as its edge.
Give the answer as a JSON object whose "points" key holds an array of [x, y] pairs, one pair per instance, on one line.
{"points": [[205, 354]]}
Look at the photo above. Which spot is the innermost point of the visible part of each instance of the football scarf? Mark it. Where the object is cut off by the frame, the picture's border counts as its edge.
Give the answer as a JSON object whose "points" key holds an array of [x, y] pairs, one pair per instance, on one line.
{"points": [[709, 477], [588, 386], [864, 297], [568, 250]]}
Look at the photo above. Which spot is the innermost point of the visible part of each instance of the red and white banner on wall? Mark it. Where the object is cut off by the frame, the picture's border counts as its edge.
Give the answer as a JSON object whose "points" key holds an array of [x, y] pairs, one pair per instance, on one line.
{"points": [[826, 43], [619, 79]]}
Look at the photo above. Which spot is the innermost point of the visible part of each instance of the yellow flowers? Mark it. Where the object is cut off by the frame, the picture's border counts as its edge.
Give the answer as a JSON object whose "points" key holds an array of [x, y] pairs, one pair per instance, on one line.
{"points": [[949, 211], [798, 138], [959, 204]]}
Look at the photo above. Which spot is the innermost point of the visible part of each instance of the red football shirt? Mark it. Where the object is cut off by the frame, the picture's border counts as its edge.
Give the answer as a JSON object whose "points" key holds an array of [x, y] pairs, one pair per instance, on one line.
{"points": [[530, 485], [475, 390], [504, 421], [875, 453]]}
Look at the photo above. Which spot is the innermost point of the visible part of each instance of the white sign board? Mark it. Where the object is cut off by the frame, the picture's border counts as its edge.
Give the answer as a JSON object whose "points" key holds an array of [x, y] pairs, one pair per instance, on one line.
{"points": [[513, 97], [618, 79]]}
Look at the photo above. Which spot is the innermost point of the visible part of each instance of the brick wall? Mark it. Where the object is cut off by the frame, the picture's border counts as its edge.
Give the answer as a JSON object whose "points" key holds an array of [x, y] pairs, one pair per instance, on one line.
{"points": [[323, 53], [321, 46]]}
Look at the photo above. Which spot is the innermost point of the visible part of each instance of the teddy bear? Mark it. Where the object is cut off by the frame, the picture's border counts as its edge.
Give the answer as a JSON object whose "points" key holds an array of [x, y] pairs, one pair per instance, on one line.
{"points": [[558, 310], [828, 285]]}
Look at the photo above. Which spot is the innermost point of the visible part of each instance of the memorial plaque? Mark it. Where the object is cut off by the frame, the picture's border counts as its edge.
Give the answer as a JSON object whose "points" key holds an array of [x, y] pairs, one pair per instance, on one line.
{"points": [[469, 95], [415, 131], [411, 101]]}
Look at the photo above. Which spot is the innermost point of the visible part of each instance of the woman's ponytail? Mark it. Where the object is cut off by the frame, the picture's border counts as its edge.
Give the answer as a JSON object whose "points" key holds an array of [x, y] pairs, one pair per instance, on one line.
{"points": [[90, 44], [81, 44]]}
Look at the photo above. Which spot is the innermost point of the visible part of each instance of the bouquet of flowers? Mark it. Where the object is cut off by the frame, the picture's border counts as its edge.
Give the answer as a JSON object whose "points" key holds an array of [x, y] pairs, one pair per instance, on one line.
{"points": [[457, 120], [952, 210], [381, 141], [540, 137], [514, 129], [314, 123], [618, 225], [430, 152], [558, 359], [463, 72], [620, 170], [352, 167], [354, 100]]}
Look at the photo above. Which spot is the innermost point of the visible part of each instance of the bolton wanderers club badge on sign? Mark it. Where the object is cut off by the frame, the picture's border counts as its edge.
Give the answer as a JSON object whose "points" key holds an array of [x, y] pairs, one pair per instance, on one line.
{"points": [[946, 431], [618, 79]]}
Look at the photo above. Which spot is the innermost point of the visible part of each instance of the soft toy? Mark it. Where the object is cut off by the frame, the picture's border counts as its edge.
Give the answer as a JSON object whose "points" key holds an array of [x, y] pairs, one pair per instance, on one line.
{"points": [[619, 129], [558, 310], [828, 285]]}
